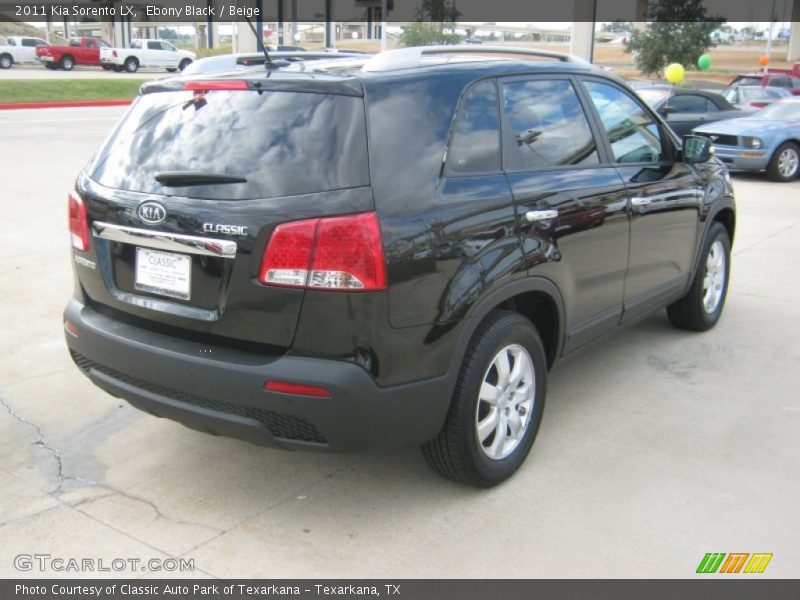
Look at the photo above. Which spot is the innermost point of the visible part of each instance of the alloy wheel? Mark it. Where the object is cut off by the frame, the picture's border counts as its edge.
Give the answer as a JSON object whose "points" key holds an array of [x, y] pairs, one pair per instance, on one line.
{"points": [[788, 161], [505, 402], [714, 280]]}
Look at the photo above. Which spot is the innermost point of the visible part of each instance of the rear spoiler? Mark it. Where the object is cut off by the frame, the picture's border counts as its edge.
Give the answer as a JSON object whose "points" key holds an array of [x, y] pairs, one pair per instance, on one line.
{"points": [[294, 56]]}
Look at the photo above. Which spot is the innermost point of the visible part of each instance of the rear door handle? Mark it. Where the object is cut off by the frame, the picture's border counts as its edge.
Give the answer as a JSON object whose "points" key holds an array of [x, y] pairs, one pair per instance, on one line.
{"points": [[540, 215]]}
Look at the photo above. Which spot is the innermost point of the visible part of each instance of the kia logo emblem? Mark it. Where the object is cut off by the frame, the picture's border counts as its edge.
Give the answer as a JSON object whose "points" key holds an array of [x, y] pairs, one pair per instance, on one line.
{"points": [[151, 212]]}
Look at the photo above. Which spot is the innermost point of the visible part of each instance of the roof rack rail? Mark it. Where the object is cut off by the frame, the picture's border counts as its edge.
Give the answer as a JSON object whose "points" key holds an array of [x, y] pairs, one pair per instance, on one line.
{"points": [[409, 58]]}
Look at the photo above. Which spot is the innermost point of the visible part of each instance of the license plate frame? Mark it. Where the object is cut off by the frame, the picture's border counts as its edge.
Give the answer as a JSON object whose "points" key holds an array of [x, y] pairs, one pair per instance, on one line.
{"points": [[167, 274]]}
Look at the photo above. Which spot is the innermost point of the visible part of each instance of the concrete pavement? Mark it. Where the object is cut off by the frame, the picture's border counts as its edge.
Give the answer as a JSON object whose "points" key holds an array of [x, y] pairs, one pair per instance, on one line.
{"points": [[656, 447]]}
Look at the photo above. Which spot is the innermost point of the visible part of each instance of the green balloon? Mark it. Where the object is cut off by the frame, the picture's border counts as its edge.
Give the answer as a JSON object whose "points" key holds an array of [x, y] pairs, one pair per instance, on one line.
{"points": [[704, 62]]}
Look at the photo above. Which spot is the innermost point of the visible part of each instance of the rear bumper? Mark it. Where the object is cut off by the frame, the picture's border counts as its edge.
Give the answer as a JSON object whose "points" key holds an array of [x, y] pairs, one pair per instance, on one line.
{"points": [[220, 391]]}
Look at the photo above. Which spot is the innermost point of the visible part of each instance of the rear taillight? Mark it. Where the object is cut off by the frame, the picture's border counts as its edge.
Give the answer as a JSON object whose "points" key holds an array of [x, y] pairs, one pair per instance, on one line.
{"points": [[333, 253], [222, 84], [758, 104], [114, 53], [78, 227]]}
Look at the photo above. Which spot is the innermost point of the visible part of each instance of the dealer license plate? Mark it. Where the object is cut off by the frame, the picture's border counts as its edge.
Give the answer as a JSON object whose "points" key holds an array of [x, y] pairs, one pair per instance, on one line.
{"points": [[163, 273]]}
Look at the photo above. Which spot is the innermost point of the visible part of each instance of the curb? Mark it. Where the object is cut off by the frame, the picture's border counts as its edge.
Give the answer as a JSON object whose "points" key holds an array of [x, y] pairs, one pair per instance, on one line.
{"points": [[62, 104]]}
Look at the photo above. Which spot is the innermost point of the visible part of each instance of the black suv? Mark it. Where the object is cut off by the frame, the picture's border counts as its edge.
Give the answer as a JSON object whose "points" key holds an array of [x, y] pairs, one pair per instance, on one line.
{"points": [[373, 252]]}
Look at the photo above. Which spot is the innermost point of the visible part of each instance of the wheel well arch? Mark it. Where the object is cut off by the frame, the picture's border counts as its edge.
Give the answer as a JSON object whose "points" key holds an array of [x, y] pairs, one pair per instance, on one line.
{"points": [[8, 54], [67, 55], [727, 217], [536, 298], [539, 308]]}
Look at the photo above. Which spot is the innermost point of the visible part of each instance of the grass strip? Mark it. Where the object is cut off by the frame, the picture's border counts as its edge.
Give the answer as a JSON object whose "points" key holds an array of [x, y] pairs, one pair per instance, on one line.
{"points": [[27, 90]]}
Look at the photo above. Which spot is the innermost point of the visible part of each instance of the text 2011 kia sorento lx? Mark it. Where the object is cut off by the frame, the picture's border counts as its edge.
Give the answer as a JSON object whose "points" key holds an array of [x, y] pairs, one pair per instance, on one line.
{"points": [[369, 253]]}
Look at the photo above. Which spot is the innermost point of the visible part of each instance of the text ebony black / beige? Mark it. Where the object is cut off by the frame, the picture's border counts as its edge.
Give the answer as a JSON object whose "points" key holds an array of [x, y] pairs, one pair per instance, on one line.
{"points": [[367, 253]]}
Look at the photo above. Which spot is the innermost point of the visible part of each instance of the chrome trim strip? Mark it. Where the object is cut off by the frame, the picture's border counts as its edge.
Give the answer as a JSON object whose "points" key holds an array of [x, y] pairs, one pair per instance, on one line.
{"points": [[163, 240]]}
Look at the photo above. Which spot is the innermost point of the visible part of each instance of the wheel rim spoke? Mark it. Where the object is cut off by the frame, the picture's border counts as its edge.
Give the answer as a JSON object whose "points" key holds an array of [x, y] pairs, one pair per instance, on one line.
{"points": [[503, 368], [488, 425], [489, 393]]}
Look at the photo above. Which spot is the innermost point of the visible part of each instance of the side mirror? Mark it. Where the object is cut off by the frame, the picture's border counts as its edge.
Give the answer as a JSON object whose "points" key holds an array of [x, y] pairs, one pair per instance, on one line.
{"points": [[696, 149], [667, 110]]}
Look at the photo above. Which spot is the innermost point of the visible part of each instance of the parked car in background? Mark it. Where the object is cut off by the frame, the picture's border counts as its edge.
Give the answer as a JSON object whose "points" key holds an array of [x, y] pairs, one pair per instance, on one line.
{"points": [[685, 109], [788, 79], [147, 53], [80, 51], [19, 49], [767, 140], [753, 97]]}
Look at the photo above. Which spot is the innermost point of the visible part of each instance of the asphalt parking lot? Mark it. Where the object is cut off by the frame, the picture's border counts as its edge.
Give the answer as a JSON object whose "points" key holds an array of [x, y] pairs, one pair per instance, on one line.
{"points": [[656, 447]]}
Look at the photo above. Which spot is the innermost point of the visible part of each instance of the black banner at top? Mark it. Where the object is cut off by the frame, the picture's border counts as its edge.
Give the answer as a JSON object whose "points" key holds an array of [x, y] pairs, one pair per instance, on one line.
{"points": [[479, 11]]}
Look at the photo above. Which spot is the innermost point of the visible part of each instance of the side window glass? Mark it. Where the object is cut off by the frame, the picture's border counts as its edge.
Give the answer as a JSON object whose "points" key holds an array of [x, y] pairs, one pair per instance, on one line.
{"points": [[90, 44], [154, 45], [546, 126], [475, 147], [28, 43], [689, 103], [633, 134]]}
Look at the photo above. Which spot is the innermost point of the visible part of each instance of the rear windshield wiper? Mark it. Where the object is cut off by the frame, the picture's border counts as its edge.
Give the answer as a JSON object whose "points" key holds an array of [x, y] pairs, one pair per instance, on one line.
{"points": [[182, 178]]}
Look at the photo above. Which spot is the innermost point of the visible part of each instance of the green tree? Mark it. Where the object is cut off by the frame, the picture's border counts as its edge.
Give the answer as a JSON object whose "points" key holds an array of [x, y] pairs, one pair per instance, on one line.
{"points": [[680, 33], [435, 24]]}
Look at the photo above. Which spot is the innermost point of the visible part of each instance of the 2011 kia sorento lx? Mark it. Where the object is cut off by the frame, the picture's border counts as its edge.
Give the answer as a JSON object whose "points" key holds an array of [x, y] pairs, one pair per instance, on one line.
{"points": [[392, 250]]}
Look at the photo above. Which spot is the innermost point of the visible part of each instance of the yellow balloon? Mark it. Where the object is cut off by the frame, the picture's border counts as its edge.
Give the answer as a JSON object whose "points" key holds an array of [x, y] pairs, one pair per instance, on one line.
{"points": [[674, 73]]}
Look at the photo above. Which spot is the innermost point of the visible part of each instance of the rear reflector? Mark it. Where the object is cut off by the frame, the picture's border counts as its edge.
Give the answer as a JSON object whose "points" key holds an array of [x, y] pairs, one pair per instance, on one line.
{"points": [[298, 389], [222, 84], [78, 227], [334, 253], [71, 327]]}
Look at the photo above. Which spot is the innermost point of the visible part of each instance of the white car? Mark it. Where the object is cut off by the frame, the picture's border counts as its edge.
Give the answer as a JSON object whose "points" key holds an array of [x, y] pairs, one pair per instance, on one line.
{"points": [[19, 49], [147, 53]]}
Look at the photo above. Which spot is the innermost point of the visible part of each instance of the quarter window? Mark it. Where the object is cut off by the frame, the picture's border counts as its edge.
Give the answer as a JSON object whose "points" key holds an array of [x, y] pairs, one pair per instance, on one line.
{"points": [[475, 147], [690, 103], [546, 126], [633, 134]]}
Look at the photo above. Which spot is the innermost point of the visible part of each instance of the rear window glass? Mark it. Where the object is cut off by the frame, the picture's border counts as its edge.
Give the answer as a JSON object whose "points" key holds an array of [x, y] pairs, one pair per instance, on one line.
{"points": [[283, 143]]}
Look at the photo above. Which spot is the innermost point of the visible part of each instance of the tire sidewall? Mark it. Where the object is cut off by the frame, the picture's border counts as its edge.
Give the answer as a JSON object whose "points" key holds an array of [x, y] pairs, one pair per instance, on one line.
{"points": [[717, 232], [184, 63], [67, 63], [131, 65], [6, 63], [513, 331]]}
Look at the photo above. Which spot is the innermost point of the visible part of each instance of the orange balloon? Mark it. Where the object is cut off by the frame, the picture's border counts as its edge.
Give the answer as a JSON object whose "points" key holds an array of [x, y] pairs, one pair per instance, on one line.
{"points": [[763, 60]]}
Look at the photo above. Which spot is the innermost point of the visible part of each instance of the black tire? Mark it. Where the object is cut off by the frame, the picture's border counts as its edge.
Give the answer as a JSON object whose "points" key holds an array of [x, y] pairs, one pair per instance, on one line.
{"points": [[107, 67], [775, 171], [6, 60], [131, 64], [171, 70], [184, 63], [50, 66], [689, 312], [67, 62], [118, 68], [457, 453]]}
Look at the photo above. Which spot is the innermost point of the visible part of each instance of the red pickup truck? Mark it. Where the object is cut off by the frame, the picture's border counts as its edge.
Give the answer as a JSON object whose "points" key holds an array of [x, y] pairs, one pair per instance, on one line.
{"points": [[80, 51], [788, 79]]}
